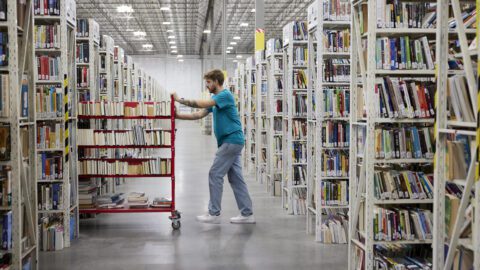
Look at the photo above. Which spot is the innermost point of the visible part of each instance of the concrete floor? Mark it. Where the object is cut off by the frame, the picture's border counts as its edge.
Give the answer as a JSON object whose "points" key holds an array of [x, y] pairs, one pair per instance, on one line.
{"points": [[146, 241]]}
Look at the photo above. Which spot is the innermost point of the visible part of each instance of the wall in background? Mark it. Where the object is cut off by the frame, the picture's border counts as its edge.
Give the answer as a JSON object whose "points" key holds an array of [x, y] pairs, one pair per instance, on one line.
{"points": [[184, 77]]}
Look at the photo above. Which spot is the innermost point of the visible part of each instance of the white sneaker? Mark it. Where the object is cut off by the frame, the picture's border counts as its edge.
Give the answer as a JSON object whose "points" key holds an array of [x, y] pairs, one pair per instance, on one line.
{"points": [[207, 218], [243, 220]]}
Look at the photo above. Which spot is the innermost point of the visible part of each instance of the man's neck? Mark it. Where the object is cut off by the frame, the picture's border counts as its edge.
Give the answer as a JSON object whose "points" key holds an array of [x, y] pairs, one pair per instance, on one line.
{"points": [[218, 90]]}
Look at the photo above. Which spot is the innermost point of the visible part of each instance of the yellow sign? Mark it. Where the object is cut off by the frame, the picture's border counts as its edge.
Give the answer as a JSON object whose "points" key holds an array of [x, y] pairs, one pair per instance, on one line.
{"points": [[259, 40]]}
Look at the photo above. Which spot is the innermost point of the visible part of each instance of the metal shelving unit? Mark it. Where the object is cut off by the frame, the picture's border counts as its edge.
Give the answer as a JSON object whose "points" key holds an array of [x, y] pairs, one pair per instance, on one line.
{"points": [[275, 89], [260, 117], [448, 131], [294, 194], [363, 121], [321, 24], [21, 210], [251, 89], [66, 82]]}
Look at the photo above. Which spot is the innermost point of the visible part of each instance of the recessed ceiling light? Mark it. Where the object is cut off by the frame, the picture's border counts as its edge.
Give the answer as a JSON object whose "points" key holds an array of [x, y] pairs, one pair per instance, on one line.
{"points": [[236, 37], [180, 60], [206, 31], [244, 24], [171, 42], [229, 48], [174, 51], [166, 23], [233, 43], [171, 37], [165, 8], [179, 56], [239, 56], [253, 10], [124, 9], [173, 47], [170, 31], [139, 33]]}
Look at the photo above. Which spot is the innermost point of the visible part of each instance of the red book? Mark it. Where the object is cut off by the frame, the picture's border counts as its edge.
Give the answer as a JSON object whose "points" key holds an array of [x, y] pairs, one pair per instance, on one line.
{"points": [[45, 7]]}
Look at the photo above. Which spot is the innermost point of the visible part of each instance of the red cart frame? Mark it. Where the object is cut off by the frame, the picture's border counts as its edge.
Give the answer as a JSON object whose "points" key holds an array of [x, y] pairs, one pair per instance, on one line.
{"points": [[175, 214]]}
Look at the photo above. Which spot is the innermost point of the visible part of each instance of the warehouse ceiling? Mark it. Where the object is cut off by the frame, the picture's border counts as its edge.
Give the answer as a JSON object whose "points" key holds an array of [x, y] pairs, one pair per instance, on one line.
{"points": [[182, 23]]}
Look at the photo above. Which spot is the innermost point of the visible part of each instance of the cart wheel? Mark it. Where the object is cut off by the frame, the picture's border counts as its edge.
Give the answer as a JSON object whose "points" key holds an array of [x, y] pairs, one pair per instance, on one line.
{"points": [[176, 224], [177, 214]]}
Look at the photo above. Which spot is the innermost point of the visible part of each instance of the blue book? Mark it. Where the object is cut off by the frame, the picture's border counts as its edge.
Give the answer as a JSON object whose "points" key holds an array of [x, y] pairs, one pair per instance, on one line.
{"points": [[44, 163], [403, 53], [55, 195], [393, 54], [72, 227], [24, 97], [7, 231], [416, 143]]}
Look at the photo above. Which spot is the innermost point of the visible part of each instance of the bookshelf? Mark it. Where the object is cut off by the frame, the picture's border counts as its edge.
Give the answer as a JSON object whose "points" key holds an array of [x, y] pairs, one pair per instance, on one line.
{"points": [[18, 206], [275, 83], [261, 116], [144, 165], [55, 78], [107, 68], [391, 142], [207, 121], [312, 193], [88, 41], [456, 170], [251, 89], [127, 78], [118, 75], [295, 51], [328, 182], [243, 108]]}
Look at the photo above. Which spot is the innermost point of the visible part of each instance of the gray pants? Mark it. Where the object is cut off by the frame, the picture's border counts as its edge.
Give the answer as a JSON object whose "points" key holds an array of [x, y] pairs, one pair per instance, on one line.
{"points": [[228, 161]]}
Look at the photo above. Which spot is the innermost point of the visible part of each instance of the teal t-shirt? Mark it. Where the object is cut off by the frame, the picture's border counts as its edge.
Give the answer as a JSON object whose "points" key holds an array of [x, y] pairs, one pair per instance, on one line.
{"points": [[226, 121]]}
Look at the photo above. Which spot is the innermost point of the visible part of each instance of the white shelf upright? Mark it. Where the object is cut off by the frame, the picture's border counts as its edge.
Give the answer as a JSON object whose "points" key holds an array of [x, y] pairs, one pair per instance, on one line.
{"points": [[274, 105], [260, 117], [250, 134], [64, 81], [294, 186]]}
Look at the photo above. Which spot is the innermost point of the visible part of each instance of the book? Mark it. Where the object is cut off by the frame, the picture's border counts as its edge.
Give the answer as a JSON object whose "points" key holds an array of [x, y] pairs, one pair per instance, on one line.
{"points": [[394, 224], [299, 196], [83, 77], [334, 230], [4, 94], [336, 101], [44, 7], [6, 186], [334, 193], [50, 196], [49, 100], [51, 237], [47, 67], [126, 109], [137, 136], [299, 130], [50, 166], [49, 135], [299, 105], [336, 70], [5, 144], [396, 14], [334, 163], [4, 49], [408, 142], [149, 166], [337, 41], [47, 36]]}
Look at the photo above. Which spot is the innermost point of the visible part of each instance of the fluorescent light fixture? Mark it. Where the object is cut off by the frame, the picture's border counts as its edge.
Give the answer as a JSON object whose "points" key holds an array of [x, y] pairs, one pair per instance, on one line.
{"points": [[228, 51], [179, 56], [253, 10], [167, 23], [239, 56], [235, 61], [170, 31], [171, 37], [171, 42], [180, 60], [174, 51], [229, 48], [139, 33], [173, 47], [244, 24], [206, 31], [233, 43], [124, 9], [165, 8], [147, 46], [237, 38]]}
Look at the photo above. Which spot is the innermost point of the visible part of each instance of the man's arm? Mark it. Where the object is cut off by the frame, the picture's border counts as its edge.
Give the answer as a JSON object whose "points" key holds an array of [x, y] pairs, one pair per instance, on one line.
{"points": [[199, 104], [192, 116]]}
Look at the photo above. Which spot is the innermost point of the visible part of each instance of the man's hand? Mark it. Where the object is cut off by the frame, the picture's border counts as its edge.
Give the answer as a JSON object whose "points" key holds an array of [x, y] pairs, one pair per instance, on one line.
{"points": [[175, 96]]}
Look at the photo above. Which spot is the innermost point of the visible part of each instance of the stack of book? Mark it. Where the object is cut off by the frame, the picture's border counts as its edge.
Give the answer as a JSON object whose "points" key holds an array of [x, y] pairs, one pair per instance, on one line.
{"points": [[51, 230], [161, 202], [50, 166], [334, 230], [299, 196], [51, 7], [87, 193], [49, 100], [48, 67], [138, 135], [47, 36], [137, 200], [110, 200]]}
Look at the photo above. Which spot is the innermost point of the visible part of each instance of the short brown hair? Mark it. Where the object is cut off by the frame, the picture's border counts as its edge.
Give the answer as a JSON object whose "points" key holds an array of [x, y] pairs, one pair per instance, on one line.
{"points": [[215, 75]]}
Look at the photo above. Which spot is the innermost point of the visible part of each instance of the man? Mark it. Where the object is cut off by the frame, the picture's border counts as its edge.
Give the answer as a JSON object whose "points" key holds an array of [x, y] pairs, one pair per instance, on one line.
{"points": [[230, 141]]}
